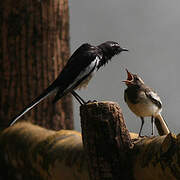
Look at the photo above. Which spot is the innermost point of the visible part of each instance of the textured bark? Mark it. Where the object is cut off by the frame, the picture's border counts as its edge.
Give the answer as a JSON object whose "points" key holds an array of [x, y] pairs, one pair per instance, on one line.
{"points": [[106, 141], [34, 46]]}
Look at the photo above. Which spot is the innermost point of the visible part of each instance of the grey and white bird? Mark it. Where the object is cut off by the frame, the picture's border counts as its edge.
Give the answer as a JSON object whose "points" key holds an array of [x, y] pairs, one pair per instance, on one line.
{"points": [[77, 72], [143, 101]]}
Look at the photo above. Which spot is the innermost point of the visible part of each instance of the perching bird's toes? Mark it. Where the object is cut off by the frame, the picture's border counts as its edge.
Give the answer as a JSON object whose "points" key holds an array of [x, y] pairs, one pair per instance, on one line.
{"points": [[142, 136], [91, 101], [87, 102]]}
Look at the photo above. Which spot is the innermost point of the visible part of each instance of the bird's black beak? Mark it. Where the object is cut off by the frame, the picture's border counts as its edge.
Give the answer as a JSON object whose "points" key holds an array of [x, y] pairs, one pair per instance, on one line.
{"points": [[124, 49], [119, 50]]}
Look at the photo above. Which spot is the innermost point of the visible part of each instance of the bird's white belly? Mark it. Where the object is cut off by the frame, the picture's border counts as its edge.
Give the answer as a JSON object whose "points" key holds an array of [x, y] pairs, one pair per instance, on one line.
{"points": [[144, 109]]}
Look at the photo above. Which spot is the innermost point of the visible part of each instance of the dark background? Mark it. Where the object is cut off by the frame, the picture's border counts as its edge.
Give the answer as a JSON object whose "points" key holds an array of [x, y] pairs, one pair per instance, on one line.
{"points": [[150, 30]]}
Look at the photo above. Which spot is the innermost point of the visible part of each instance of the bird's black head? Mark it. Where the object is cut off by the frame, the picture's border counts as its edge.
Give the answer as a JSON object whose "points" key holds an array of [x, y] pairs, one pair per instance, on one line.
{"points": [[109, 49]]}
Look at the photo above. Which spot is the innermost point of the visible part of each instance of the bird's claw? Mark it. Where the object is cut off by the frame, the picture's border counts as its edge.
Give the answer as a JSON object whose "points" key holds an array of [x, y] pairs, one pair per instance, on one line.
{"points": [[90, 101], [141, 136], [152, 136]]}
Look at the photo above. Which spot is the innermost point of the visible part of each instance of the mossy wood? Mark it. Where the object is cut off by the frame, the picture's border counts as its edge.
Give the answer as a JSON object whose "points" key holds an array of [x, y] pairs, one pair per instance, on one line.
{"points": [[34, 47], [30, 152]]}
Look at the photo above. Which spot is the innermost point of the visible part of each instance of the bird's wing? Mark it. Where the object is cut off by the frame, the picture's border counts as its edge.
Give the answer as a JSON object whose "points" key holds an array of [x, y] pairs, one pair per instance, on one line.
{"points": [[75, 67], [153, 97]]}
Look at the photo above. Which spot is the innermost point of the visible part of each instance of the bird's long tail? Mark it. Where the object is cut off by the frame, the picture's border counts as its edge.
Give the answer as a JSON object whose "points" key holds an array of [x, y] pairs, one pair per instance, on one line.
{"points": [[161, 125], [45, 94]]}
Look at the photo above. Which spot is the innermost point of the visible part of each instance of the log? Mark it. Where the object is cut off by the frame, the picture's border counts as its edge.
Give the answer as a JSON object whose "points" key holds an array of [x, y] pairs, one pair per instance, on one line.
{"points": [[30, 152], [157, 158]]}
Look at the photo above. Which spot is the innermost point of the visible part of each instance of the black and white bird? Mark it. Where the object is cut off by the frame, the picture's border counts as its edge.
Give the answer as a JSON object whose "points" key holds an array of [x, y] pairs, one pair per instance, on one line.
{"points": [[143, 101], [77, 72]]}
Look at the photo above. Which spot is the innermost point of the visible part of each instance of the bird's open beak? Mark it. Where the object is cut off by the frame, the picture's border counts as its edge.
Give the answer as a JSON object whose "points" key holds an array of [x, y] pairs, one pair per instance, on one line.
{"points": [[130, 78]]}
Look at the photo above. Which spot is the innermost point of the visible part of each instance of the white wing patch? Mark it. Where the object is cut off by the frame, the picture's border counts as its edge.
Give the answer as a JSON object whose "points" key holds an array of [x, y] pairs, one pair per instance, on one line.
{"points": [[154, 96], [86, 71]]}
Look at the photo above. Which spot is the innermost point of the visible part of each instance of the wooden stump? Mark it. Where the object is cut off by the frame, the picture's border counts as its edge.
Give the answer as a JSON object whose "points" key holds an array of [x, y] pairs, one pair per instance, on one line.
{"points": [[106, 141]]}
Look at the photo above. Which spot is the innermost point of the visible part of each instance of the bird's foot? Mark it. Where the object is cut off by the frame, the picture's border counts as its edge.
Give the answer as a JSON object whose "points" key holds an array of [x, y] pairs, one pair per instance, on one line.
{"points": [[90, 101], [141, 136], [152, 136]]}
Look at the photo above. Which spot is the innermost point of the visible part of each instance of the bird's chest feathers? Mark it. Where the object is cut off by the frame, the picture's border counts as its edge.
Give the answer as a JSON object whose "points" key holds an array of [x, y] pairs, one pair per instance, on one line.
{"points": [[133, 95], [142, 105]]}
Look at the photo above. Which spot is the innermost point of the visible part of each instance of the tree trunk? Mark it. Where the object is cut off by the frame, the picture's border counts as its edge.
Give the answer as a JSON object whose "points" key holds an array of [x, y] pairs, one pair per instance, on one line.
{"points": [[34, 47]]}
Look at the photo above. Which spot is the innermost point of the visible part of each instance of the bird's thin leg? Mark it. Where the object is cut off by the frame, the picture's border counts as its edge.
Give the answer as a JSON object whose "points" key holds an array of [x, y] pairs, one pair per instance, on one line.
{"points": [[79, 99], [142, 123], [152, 122]]}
